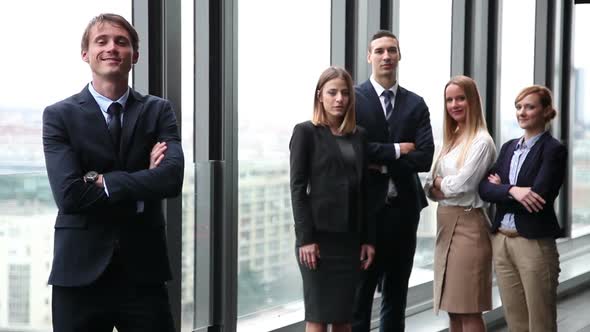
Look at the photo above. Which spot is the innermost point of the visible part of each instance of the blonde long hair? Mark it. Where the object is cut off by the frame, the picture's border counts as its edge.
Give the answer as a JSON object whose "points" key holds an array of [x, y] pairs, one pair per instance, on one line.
{"points": [[319, 113], [474, 122]]}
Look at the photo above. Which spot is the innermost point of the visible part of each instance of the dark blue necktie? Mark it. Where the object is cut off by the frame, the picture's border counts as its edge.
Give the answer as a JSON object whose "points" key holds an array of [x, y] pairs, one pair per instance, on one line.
{"points": [[114, 112], [388, 95], [391, 188]]}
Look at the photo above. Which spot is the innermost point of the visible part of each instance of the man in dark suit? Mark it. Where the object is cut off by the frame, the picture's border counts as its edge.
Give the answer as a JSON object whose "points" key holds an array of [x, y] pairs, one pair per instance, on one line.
{"points": [[112, 155], [398, 128]]}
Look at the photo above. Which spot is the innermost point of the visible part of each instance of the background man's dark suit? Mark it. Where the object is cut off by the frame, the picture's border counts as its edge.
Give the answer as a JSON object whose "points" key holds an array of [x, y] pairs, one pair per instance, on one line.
{"points": [[543, 171], [94, 232], [397, 222]]}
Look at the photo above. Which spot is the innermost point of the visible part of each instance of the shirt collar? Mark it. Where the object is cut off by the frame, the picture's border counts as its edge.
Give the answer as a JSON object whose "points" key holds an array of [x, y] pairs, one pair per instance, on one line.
{"points": [[379, 89], [527, 144], [104, 102]]}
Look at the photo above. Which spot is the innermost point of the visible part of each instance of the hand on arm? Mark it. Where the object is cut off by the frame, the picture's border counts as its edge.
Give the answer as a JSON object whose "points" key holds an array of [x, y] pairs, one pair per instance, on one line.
{"points": [[367, 255], [494, 178], [435, 191], [437, 194], [156, 157], [157, 154], [547, 181], [406, 147], [478, 159], [309, 255], [417, 158], [491, 188], [162, 181], [100, 181], [545, 187], [528, 198], [437, 182]]}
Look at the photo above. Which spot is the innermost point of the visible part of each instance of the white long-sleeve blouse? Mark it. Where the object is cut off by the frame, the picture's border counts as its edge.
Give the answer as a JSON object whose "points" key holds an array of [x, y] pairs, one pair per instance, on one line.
{"points": [[459, 185]]}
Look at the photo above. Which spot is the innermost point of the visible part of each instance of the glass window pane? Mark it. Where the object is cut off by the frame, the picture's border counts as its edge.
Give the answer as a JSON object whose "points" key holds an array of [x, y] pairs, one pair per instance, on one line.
{"points": [[426, 50], [517, 61], [188, 187], [42, 67], [280, 60], [580, 130]]}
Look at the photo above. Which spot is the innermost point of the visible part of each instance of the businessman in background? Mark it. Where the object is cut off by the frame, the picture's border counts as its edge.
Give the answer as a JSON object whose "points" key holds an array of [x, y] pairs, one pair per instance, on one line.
{"points": [[397, 122], [112, 156]]}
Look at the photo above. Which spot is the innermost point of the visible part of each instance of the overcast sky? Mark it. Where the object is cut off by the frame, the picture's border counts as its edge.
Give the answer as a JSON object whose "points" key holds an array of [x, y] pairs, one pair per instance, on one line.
{"points": [[41, 50], [40, 61]]}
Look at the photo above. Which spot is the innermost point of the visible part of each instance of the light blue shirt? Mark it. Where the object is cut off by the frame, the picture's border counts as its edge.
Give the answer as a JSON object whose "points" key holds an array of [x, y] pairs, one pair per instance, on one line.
{"points": [[522, 150], [104, 103]]}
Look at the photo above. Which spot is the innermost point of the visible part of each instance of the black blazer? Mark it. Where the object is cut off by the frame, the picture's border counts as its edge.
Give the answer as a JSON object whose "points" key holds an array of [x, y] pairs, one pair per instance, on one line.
{"points": [[320, 185], [410, 122], [543, 170], [90, 224]]}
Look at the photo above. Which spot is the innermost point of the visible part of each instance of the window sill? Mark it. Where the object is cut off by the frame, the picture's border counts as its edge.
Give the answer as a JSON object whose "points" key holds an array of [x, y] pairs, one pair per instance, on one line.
{"points": [[575, 253]]}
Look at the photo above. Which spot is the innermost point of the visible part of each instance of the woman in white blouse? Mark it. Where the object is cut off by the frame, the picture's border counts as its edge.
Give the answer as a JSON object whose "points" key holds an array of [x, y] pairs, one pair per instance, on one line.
{"points": [[463, 254]]}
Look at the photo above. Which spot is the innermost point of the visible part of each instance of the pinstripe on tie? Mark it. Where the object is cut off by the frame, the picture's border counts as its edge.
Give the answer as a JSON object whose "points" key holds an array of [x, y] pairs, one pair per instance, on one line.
{"points": [[388, 96]]}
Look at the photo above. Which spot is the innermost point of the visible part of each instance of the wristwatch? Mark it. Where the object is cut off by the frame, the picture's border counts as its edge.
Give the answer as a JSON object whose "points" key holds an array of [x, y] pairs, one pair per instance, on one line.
{"points": [[91, 177]]}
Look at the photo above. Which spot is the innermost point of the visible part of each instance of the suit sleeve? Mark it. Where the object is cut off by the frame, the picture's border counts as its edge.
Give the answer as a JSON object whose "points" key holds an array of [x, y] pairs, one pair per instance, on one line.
{"points": [[381, 153], [419, 160], [300, 173], [552, 172], [496, 193], [71, 193], [547, 181], [416, 161], [152, 184]]}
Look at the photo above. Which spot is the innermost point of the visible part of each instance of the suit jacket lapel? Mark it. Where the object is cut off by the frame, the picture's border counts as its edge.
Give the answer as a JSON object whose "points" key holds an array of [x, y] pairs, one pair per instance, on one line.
{"points": [[394, 120], [374, 100], [131, 113], [531, 157], [94, 116], [374, 109]]}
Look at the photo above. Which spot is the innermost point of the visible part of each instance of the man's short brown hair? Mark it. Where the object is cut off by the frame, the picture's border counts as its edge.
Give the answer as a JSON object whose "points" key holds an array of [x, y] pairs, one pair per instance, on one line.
{"points": [[114, 19], [381, 34]]}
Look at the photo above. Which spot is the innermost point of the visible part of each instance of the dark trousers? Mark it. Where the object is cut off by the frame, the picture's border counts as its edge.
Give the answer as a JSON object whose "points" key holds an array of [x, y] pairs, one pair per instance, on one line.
{"points": [[396, 245], [112, 301]]}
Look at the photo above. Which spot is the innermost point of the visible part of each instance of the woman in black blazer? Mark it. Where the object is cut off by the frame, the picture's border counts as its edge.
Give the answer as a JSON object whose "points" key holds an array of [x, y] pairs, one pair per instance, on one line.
{"points": [[334, 235], [524, 183]]}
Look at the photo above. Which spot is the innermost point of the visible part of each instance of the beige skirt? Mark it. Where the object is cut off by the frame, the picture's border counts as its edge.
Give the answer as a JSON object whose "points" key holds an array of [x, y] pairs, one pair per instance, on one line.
{"points": [[462, 261]]}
